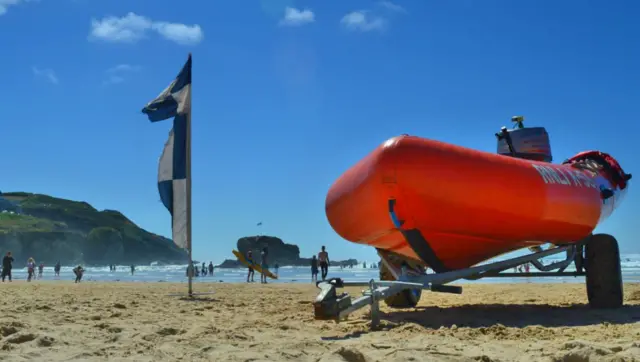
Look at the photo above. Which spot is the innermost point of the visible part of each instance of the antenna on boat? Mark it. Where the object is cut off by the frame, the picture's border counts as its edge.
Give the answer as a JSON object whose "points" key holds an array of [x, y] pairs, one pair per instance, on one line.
{"points": [[518, 120]]}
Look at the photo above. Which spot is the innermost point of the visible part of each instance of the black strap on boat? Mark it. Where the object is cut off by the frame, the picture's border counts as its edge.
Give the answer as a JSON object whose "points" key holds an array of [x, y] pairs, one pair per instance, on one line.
{"points": [[418, 243]]}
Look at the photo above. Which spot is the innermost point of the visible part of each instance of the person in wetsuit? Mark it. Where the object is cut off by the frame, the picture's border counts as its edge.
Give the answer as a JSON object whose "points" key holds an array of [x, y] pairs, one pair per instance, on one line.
{"points": [[56, 269], [314, 269], [210, 268], [323, 257], [264, 265], [79, 272], [250, 261], [31, 269], [7, 265]]}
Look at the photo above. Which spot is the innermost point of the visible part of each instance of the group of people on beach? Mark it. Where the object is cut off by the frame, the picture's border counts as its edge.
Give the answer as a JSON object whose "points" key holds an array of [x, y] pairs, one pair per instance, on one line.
{"points": [[264, 265], [322, 261], [202, 271], [7, 267]]}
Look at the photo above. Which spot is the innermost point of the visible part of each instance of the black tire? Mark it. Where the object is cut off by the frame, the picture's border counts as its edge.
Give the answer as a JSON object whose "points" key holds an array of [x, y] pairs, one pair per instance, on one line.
{"points": [[407, 298], [604, 274]]}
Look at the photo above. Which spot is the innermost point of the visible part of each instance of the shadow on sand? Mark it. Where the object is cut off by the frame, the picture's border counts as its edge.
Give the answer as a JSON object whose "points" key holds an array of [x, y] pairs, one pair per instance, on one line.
{"points": [[508, 315], [513, 315], [196, 299]]}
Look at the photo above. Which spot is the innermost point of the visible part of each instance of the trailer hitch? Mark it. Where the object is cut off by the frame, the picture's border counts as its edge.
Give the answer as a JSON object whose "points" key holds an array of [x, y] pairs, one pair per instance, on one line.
{"points": [[328, 303]]}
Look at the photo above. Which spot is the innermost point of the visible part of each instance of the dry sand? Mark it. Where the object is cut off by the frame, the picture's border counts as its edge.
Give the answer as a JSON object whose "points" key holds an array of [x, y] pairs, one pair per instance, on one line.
{"points": [[62, 321]]}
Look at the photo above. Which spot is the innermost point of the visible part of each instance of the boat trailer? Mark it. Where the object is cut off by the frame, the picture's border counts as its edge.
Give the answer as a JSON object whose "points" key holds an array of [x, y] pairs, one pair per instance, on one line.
{"points": [[329, 305]]}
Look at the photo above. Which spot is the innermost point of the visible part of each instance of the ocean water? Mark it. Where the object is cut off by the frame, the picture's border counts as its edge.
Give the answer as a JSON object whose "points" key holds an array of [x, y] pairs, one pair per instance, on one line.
{"points": [[177, 273]]}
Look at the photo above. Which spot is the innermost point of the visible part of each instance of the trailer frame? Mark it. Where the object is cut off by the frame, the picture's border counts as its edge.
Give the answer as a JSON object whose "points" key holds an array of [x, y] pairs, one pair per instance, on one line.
{"points": [[329, 305]]}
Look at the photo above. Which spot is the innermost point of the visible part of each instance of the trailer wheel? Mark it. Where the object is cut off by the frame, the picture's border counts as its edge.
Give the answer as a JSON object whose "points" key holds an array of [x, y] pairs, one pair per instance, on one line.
{"points": [[407, 298], [604, 274]]}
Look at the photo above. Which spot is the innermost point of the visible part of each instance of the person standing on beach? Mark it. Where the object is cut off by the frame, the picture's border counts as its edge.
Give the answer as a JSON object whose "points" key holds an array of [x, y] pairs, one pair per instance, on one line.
{"points": [[210, 268], [323, 256], [40, 270], [7, 265], [264, 265], [314, 269], [250, 261], [31, 269], [56, 269], [79, 272]]}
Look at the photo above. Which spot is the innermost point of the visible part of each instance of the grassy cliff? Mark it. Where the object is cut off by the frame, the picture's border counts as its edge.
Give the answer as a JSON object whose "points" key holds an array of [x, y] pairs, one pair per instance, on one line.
{"points": [[52, 229]]}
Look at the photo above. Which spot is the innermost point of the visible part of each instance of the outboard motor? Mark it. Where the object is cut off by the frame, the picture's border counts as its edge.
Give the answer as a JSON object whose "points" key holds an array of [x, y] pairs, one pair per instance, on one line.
{"points": [[529, 143]]}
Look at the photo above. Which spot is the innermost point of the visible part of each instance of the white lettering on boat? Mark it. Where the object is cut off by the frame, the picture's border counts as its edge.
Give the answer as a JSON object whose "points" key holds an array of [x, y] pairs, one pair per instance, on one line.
{"points": [[565, 176]]}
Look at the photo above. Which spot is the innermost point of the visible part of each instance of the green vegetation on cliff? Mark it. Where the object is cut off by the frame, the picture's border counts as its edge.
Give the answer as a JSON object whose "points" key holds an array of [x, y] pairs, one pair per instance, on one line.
{"points": [[52, 229]]}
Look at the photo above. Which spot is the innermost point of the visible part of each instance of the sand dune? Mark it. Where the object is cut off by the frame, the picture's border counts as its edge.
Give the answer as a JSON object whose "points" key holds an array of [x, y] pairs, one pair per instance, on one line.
{"points": [[62, 321]]}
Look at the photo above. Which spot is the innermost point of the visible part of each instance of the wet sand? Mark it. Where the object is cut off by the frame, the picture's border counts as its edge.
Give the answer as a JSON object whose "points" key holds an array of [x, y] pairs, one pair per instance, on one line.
{"points": [[95, 321]]}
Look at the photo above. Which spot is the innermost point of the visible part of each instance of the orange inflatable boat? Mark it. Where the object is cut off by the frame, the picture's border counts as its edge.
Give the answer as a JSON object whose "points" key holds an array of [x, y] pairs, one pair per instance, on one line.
{"points": [[452, 207]]}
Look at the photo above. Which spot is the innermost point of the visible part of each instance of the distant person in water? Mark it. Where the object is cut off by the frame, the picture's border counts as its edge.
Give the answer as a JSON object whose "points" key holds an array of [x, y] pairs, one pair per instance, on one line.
{"points": [[31, 269], [56, 269], [323, 257], [79, 272], [264, 265], [249, 258], [277, 267], [133, 269], [314, 269], [40, 270], [211, 268], [7, 265], [204, 269]]}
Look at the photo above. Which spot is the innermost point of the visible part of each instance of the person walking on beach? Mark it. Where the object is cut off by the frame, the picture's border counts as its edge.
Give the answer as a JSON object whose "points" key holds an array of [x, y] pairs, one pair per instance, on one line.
{"points": [[323, 256], [133, 269], [40, 270], [250, 261], [314, 269], [210, 268], [264, 265], [7, 265], [31, 269], [79, 272], [56, 269]]}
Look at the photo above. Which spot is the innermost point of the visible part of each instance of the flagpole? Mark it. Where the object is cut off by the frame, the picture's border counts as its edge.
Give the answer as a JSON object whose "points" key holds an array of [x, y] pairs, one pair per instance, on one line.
{"points": [[188, 175]]}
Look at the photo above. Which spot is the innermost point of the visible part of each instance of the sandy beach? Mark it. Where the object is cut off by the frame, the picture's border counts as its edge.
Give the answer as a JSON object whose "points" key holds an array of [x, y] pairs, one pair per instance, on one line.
{"points": [[62, 321]]}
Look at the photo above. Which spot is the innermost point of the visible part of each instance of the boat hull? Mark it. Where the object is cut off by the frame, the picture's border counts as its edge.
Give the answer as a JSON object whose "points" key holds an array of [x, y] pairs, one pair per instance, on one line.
{"points": [[468, 205]]}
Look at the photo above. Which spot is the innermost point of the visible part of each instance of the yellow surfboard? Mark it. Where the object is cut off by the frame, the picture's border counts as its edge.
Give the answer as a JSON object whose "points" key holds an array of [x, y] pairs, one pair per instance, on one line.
{"points": [[255, 266]]}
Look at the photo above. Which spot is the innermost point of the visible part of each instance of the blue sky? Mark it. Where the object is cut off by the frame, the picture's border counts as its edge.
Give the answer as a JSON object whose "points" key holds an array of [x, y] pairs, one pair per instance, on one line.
{"points": [[288, 94]]}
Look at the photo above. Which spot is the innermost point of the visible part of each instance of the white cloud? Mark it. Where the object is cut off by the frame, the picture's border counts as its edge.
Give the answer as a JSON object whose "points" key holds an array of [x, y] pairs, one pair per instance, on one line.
{"points": [[114, 79], [5, 4], [179, 33], [362, 21], [391, 6], [46, 73], [124, 68], [115, 75], [132, 28], [295, 17]]}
